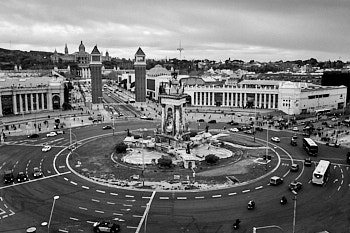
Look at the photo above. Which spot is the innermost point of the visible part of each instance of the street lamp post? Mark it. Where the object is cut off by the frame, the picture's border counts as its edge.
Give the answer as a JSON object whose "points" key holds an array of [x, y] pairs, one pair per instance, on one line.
{"points": [[254, 126], [295, 210], [113, 124], [53, 205]]}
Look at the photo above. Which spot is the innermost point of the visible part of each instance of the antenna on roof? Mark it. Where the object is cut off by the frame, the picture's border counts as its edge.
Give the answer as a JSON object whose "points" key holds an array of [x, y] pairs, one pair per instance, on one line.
{"points": [[180, 49]]}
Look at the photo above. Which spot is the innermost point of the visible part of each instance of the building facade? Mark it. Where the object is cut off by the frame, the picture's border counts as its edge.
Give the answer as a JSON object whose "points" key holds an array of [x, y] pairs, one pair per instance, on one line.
{"points": [[30, 95]]}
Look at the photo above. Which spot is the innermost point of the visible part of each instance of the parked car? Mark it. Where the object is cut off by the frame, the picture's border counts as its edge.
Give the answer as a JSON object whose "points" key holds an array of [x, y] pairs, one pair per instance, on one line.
{"points": [[212, 121], [46, 148], [106, 226], [107, 127], [295, 186], [275, 139], [294, 167], [34, 135], [21, 177], [51, 134], [307, 162], [249, 131], [60, 132], [276, 180], [8, 177], [37, 173], [295, 129], [259, 128], [333, 144], [200, 120]]}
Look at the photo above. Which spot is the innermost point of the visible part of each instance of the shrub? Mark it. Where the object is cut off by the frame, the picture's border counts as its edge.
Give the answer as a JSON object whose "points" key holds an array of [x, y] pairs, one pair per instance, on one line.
{"points": [[165, 162], [121, 147], [211, 159]]}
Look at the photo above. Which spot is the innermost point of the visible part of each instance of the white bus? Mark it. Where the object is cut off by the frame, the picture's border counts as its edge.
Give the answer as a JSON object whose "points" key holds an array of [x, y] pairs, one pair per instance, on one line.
{"points": [[320, 174]]}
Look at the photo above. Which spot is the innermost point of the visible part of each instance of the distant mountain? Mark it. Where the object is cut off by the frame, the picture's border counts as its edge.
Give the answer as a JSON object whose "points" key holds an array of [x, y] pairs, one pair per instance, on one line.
{"points": [[27, 60]]}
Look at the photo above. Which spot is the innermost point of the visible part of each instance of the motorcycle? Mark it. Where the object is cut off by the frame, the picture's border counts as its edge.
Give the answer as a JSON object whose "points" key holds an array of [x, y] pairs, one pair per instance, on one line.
{"points": [[283, 200], [251, 205], [236, 224]]}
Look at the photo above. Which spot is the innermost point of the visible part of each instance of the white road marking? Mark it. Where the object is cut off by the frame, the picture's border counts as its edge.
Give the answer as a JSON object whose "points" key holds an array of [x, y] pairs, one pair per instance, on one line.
{"points": [[127, 205], [95, 200], [90, 222], [215, 196], [181, 198], [85, 187], [110, 203], [99, 211], [245, 191], [231, 194], [142, 197], [82, 208], [114, 194], [75, 219], [137, 216], [100, 191], [164, 198], [65, 178], [130, 227], [260, 187], [117, 214], [125, 209], [201, 197], [72, 182], [335, 181], [61, 230], [129, 196], [339, 188], [62, 166]]}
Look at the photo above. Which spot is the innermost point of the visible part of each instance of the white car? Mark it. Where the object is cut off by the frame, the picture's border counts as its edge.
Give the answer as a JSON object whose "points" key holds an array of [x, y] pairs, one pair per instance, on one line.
{"points": [[234, 130], [295, 129], [51, 134], [275, 139], [46, 148]]}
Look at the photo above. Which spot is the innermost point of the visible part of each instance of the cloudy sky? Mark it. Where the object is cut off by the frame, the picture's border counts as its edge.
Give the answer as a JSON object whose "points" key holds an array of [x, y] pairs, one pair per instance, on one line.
{"points": [[263, 30]]}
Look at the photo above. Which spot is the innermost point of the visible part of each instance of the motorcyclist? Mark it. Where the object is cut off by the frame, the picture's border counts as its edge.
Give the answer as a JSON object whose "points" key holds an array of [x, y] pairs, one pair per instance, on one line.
{"points": [[251, 204], [236, 224], [284, 200]]}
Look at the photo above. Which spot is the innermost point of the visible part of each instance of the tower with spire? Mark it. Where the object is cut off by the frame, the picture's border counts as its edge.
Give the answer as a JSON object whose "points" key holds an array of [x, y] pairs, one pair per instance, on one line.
{"points": [[140, 76], [96, 78], [66, 50]]}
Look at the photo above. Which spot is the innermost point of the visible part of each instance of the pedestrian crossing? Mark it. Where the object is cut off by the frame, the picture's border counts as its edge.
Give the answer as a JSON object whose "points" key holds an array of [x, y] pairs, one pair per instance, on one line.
{"points": [[58, 142]]}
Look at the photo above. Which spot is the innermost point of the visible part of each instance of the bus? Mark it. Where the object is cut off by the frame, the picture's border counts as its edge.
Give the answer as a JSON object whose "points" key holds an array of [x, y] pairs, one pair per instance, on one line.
{"points": [[320, 174], [310, 146], [322, 111]]}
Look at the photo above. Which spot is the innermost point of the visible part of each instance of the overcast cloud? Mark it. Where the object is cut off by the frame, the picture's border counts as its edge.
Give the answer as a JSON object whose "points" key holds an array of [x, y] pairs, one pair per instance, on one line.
{"points": [[264, 30]]}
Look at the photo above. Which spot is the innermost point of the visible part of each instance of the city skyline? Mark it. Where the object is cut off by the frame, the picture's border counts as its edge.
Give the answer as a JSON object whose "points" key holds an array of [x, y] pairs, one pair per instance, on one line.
{"points": [[266, 30]]}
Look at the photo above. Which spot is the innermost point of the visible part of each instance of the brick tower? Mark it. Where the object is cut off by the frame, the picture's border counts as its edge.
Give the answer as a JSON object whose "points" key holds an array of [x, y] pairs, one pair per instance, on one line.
{"points": [[96, 79], [140, 76]]}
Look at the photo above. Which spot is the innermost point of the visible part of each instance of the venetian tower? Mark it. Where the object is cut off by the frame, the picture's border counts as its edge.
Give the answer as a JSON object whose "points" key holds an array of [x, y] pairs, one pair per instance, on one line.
{"points": [[140, 76], [96, 79]]}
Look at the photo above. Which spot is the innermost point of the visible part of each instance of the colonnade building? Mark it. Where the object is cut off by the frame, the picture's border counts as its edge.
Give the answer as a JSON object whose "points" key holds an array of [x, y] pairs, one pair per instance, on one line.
{"points": [[289, 97], [30, 95]]}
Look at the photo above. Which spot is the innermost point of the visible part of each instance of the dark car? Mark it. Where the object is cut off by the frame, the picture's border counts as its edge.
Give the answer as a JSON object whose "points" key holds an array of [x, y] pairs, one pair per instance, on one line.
{"points": [[21, 177], [294, 167], [259, 129], [106, 226], [232, 123], [293, 142], [212, 121], [200, 120], [34, 135], [107, 127], [8, 177], [307, 162], [295, 186]]}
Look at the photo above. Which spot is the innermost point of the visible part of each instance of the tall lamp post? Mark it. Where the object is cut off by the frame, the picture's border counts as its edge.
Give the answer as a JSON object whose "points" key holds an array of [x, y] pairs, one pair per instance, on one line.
{"points": [[254, 128], [295, 210], [53, 205]]}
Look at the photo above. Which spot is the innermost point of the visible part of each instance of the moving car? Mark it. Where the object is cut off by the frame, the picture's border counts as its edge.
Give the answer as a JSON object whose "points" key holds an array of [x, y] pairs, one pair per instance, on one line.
{"points": [[46, 148], [275, 139], [259, 128], [106, 226], [51, 134], [333, 144], [293, 142], [295, 186], [234, 130], [249, 131], [107, 127], [307, 162], [212, 121], [8, 177], [60, 132], [276, 180], [294, 167], [37, 173], [34, 135], [21, 177], [295, 129]]}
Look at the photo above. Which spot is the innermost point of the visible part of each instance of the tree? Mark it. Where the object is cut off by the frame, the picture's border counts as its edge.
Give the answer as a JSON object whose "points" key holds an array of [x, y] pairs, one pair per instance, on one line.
{"points": [[211, 159], [165, 162], [121, 147]]}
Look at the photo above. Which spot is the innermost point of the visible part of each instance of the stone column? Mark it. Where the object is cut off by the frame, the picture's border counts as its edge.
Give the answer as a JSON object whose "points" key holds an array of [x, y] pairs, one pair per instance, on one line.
{"points": [[200, 98], [255, 100], [42, 101], [14, 103], [26, 102], [236, 103], [177, 120], [265, 100], [89, 73], [274, 100], [37, 102], [61, 98], [163, 119], [213, 99], [232, 99], [0, 107], [241, 99], [49, 101], [20, 103], [31, 102]]}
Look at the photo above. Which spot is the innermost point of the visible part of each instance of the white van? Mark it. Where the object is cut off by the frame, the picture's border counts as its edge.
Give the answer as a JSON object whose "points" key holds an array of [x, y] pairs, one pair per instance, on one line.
{"points": [[276, 180]]}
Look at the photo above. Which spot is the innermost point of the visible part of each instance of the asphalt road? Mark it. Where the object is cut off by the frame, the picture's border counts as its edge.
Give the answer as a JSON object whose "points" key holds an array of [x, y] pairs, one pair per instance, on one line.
{"points": [[82, 202]]}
